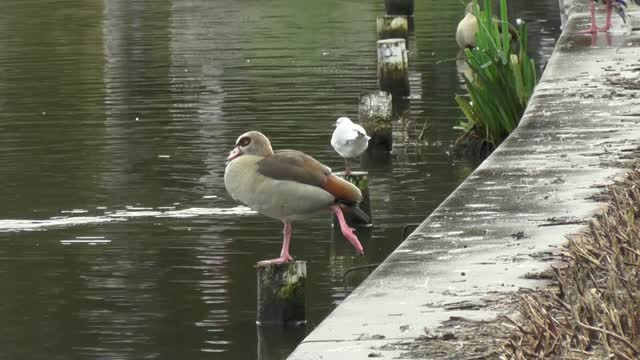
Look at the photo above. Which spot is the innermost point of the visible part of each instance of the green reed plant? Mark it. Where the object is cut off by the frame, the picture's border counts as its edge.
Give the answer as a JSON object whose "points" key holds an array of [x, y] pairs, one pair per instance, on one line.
{"points": [[503, 81]]}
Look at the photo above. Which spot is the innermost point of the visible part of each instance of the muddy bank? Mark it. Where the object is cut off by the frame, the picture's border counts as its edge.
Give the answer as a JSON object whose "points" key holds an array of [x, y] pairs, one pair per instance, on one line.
{"points": [[592, 310]]}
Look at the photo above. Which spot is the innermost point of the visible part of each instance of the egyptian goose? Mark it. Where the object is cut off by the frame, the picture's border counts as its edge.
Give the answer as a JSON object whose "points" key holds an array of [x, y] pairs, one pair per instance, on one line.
{"points": [[349, 140], [617, 5], [468, 27], [287, 185]]}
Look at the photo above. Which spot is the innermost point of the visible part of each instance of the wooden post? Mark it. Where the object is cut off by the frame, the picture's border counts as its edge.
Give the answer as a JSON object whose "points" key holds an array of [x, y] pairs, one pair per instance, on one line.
{"points": [[399, 7], [281, 293], [361, 180], [392, 26], [375, 115], [393, 67]]}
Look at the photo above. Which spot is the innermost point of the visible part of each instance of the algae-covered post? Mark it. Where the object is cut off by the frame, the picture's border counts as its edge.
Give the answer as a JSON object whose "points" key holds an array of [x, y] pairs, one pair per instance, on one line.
{"points": [[361, 180], [281, 293], [375, 115], [393, 67], [399, 7], [392, 27]]}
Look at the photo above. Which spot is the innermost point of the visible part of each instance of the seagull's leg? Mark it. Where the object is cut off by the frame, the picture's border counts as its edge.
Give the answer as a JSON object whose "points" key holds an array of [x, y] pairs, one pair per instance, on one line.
{"points": [[347, 166], [593, 28], [347, 232], [607, 24], [284, 254]]}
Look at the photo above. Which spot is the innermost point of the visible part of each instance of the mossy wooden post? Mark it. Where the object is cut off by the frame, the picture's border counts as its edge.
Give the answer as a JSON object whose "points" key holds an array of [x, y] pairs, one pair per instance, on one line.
{"points": [[375, 115], [399, 7], [393, 67], [361, 180], [392, 27], [281, 293]]}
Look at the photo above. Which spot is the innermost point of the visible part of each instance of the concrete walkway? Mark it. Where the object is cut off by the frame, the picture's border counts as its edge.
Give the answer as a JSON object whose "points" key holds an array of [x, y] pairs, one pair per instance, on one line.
{"points": [[581, 125]]}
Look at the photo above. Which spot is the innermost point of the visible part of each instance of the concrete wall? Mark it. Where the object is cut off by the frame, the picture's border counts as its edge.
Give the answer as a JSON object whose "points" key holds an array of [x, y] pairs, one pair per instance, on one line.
{"points": [[512, 213]]}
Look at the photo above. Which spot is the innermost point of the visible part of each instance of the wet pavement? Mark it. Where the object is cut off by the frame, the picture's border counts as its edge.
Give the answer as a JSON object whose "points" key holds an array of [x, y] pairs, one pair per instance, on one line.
{"points": [[511, 215]]}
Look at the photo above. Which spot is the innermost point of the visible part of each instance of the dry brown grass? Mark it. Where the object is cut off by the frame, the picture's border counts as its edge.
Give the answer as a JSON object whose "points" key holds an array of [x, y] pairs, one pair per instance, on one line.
{"points": [[593, 309]]}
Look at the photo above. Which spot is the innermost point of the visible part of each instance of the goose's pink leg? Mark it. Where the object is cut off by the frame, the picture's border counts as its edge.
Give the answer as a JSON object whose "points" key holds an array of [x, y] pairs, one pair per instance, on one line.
{"points": [[347, 232], [284, 254], [607, 24], [593, 28]]}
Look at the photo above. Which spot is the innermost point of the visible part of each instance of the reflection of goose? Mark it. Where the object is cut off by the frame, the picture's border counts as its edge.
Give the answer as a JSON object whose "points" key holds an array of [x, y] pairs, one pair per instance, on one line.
{"points": [[287, 185], [462, 67], [468, 27]]}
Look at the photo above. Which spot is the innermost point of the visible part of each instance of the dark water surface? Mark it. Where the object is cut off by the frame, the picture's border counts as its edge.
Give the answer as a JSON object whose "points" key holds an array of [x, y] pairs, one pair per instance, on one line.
{"points": [[117, 237]]}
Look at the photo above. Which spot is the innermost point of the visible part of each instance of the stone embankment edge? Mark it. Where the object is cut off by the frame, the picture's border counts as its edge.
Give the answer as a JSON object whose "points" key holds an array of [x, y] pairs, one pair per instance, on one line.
{"points": [[511, 214]]}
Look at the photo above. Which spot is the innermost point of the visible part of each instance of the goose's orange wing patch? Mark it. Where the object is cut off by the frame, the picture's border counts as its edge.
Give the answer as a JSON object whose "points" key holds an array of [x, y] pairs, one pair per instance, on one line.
{"points": [[342, 189]]}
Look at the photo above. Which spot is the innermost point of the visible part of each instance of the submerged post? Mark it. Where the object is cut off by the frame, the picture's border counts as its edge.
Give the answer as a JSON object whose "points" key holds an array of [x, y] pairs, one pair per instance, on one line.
{"points": [[281, 293], [361, 180], [399, 7], [392, 27], [375, 113], [393, 67]]}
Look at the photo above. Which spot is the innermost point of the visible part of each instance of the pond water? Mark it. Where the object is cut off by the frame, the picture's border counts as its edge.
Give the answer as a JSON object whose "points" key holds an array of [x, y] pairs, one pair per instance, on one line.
{"points": [[117, 237]]}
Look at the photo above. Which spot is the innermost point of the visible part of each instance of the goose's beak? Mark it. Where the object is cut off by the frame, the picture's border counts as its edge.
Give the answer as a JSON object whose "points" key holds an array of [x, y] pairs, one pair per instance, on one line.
{"points": [[234, 153]]}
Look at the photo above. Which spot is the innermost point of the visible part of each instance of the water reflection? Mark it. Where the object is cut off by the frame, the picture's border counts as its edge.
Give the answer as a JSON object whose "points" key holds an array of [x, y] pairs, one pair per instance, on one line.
{"points": [[116, 120], [272, 338]]}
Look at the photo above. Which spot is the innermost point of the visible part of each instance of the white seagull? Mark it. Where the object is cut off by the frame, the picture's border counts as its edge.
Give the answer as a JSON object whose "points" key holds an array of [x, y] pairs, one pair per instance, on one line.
{"points": [[349, 140]]}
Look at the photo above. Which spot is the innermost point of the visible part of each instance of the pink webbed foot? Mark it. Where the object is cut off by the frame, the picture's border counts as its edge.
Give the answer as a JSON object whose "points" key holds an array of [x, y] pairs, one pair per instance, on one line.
{"points": [[590, 30], [593, 28], [280, 260], [347, 231], [605, 28], [284, 254]]}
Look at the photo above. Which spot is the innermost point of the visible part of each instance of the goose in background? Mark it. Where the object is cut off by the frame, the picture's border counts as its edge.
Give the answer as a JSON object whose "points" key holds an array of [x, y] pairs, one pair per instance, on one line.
{"points": [[618, 6], [468, 27]]}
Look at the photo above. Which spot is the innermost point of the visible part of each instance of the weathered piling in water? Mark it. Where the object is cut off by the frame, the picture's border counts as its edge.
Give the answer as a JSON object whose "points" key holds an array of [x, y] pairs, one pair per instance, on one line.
{"points": [[375, 113], [399, 7], [392, 27], [393, 67], [281, 293], [361, 180]]}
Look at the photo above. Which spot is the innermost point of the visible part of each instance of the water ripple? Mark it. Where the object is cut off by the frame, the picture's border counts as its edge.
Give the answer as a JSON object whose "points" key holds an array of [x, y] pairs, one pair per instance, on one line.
{"points": [[15, 225]]}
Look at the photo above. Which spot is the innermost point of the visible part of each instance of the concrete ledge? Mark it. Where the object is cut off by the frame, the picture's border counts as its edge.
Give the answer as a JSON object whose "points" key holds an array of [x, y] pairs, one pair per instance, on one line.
{"points": [[502, 222]]}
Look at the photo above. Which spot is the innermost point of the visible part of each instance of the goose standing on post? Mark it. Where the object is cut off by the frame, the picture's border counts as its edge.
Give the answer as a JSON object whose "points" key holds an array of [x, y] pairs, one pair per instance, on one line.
{"points": [[287, 185], [349, 140]]}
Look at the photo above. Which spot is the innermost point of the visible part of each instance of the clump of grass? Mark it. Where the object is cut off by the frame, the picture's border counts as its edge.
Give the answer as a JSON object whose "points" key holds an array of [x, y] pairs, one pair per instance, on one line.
{"points": [[503, 81], [594, 312]]}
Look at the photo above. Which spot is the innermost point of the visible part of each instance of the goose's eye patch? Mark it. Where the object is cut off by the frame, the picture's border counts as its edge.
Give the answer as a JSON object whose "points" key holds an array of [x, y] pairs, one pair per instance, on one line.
{"points": [[244, 141]]}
